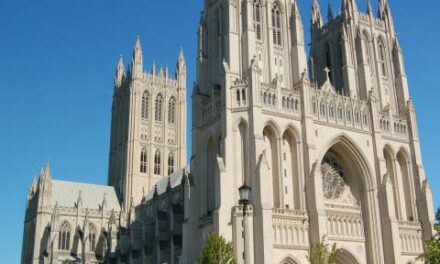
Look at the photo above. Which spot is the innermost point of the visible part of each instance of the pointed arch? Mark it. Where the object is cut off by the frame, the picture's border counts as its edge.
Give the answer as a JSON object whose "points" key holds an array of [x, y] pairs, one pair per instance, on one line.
{"points": [[171, 163], [143, 160], [172, 110], [290, 260], [270, 138], [157, 162], [389, 155], [407, 184], [257, 16], [276, 24], [358, 176], [292, 183], [382, 56], [145, 105], [346, 257], [64, 236], [158, 110], [344, 143], [92, 237]]}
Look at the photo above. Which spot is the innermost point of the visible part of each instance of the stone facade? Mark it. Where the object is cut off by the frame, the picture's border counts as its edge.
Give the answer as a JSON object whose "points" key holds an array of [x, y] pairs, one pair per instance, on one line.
{"points": [[67, 221], [328, 144], [334, 153]]}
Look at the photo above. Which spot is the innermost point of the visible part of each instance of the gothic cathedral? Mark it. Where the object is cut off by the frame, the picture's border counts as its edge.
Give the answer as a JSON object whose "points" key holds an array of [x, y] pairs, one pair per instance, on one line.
{"points": [[328, 145]]}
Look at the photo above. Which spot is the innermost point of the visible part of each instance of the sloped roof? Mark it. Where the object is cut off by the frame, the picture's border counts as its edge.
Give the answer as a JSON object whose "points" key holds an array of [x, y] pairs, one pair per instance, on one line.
{"points": [[66, 195], [174, 179]]}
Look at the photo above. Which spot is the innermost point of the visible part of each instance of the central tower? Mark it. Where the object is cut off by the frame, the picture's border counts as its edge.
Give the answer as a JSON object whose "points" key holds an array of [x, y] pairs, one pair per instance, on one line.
{"points": [[148, 131]]}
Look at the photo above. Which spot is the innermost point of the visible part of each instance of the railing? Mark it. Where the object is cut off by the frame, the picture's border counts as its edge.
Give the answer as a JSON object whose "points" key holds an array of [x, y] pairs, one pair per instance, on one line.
{"points": [[283, 102], [394, 128], [339, 110], [344, 222], [290, 229], [411, 239]]}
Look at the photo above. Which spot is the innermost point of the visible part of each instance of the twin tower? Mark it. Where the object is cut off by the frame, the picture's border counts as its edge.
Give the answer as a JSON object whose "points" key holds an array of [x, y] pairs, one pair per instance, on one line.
{"points": [[329, 144]]}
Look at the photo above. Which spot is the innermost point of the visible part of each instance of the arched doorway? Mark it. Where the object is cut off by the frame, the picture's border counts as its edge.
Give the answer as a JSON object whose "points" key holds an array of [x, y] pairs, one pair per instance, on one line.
{"points": [[288, 260], [345, 257], [350, 198]]}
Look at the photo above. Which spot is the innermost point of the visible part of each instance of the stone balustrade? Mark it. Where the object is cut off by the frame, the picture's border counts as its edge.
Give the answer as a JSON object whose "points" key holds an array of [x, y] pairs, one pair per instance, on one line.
{"points": [[290, 229], [345, 222], [411, 240]]}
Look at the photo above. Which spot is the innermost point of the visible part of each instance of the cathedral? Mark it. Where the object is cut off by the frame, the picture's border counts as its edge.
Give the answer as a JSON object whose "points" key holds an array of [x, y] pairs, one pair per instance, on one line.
{"points": [[327, 146]]}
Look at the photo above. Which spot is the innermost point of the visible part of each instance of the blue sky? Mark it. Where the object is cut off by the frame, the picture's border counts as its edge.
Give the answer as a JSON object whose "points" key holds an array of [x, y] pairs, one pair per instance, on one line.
{"points": [[57, 63]]}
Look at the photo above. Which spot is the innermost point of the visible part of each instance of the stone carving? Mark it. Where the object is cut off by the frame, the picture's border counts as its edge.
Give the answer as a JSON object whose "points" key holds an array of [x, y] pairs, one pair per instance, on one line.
{"points": [[334, 186], [332, 183]]}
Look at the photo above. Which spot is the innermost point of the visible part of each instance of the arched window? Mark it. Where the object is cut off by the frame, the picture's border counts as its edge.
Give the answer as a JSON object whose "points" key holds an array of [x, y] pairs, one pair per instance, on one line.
{"points": [[366, 48], [238, 97], [159, 107], [157, 162], [323, 112], [243, 95], [349, 114], [145, 105], [171, 163], [276, 25], [64, 238], [382, 58], [92, 237], [143, 165], [172, 111], [331, 111], [257, 20], [340, 114]]}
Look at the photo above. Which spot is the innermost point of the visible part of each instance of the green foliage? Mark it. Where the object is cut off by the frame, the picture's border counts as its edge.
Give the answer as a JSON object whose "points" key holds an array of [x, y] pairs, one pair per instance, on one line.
{"points": [[217, 251], [432, 254], [321, 253]]}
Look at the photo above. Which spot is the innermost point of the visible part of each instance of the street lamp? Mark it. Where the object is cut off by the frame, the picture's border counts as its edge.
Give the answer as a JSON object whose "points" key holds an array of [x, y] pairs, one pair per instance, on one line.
{"points": [[245, 193]]}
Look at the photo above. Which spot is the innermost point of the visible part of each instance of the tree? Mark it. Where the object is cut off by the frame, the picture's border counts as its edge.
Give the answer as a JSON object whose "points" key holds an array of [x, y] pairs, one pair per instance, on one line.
{"points": [[432, 254], [321, 253], [217, 251]]}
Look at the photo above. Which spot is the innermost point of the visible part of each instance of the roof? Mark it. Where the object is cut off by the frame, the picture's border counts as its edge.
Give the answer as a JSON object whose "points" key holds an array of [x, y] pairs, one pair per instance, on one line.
{"points": [[174, 180], [66, 194]]}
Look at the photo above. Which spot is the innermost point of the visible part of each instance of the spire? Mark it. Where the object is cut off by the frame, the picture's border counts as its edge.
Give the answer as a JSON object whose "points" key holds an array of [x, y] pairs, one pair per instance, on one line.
{"points": [[369, 8], [34, 185], [46, 172], [120, 72], [316, 16], [79, 201], [349, 8], [295, 10], [385, 15], [382, 4], [45, 178], [137, 63], [104, 203], [330, 14], [181, 58], [181, 69]]}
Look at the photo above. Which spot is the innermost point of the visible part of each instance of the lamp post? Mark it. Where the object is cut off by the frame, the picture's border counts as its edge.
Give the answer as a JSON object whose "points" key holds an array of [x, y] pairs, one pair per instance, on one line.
{"points": [[245, 193]]}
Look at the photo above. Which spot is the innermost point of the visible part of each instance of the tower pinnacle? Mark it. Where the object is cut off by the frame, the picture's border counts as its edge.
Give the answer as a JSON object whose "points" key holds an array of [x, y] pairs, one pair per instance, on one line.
{"points": [[316, 15], [137, 64]]}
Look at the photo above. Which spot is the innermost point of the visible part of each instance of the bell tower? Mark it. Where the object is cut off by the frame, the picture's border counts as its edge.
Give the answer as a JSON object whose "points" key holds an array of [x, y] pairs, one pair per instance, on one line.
{"points": [[148, 130]]}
